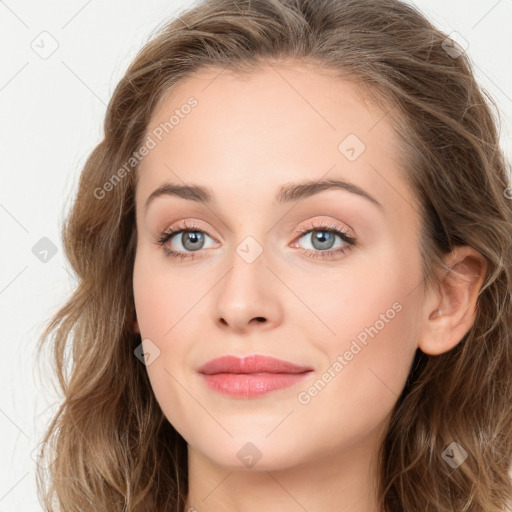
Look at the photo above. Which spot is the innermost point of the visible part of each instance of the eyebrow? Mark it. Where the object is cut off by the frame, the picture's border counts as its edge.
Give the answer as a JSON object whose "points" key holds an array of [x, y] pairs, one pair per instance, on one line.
{"points": [[287, 193]]}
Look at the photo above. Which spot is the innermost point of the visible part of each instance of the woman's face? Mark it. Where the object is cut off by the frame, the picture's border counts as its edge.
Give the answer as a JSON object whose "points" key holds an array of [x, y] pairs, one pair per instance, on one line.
{"points": [[263, 268]]}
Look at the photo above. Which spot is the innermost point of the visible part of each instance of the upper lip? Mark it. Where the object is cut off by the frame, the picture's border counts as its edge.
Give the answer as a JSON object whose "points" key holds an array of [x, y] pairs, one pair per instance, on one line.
{"points": [[250, 364]]}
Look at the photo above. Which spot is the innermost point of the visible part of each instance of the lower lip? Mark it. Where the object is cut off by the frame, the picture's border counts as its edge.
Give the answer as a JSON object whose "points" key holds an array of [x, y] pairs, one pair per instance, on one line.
{"points": [[248, 385]]}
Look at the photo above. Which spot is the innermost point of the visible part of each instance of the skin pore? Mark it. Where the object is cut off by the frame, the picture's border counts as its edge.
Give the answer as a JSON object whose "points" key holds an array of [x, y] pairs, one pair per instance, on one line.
{"points": [[246, 139]]}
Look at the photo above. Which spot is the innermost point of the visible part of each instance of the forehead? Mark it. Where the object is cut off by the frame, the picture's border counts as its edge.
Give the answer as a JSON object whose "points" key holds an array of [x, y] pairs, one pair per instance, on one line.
{"points": [[269, 97], [273, 125]]}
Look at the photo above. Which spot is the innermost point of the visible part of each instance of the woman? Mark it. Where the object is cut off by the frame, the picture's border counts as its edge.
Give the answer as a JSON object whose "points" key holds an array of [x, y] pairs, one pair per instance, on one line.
{"points": [[294, 254]]}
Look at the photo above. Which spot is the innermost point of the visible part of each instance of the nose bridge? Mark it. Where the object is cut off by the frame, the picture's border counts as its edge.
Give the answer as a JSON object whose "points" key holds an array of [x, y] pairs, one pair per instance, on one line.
{"points": [[248, 267], [248, 237]]}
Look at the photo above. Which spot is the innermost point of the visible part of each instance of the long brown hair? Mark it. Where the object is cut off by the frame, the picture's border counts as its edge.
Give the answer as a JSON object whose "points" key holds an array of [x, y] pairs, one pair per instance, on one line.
{"points": [[113, 448]]}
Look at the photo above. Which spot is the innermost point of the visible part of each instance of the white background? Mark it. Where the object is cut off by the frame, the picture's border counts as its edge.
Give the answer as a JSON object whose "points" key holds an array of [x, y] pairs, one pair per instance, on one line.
{"points": [[52, 117]]}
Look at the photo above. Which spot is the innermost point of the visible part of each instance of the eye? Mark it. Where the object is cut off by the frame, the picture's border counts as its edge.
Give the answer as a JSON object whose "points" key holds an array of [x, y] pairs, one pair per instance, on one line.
{"points": [[192, 239], [322, 239]]}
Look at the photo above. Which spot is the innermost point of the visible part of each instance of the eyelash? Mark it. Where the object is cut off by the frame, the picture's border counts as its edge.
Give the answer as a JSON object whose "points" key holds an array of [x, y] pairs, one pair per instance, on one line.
{"points": [[167, 235]]}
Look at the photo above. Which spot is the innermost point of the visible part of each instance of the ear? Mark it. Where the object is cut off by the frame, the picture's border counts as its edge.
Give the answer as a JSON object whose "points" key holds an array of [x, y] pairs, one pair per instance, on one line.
{"points": [[451, 311], [136, 327]]}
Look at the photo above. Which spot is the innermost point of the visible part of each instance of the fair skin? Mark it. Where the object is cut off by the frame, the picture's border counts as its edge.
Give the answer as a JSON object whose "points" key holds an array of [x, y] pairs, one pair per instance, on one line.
{"points": [[244, 140]]}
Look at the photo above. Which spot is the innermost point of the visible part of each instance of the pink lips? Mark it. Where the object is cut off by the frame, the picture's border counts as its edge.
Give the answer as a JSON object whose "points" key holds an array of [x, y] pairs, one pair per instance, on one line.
{"points": [[251, 376]]}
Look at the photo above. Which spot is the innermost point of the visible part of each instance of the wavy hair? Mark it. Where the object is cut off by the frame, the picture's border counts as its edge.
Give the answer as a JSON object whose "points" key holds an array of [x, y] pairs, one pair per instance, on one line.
{"points": [[113, 449]]}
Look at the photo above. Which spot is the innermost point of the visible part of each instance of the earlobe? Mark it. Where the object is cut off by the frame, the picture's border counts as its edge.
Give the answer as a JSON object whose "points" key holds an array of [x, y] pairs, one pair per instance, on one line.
{"points": [[451, 311], [136, 327]]}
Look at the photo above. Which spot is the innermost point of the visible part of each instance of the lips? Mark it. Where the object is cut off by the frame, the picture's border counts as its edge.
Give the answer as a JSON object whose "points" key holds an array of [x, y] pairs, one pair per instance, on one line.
{"points": [[251, 376], [251, 365]]}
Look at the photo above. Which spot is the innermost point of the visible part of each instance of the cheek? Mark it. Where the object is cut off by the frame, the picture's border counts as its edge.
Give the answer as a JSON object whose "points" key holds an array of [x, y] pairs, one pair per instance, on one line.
{"points": [[165, 307], [158, 313], [369, 298], [372, 318], [164, 302], [366, 367]]}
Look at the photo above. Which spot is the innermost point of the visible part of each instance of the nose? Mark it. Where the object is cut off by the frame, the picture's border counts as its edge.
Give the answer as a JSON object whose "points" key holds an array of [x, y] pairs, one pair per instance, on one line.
{"points": [[250, 296]]}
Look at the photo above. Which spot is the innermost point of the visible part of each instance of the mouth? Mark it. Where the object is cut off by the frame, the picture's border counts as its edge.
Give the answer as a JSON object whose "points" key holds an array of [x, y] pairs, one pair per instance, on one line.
{"points": [[251, 376]]}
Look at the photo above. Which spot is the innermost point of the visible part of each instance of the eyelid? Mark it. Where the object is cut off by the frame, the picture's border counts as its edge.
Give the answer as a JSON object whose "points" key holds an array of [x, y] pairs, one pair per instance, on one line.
{"points": [[318, 225], [180, 226]]}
